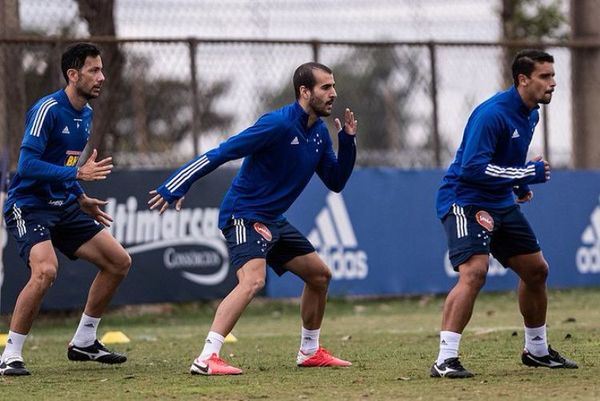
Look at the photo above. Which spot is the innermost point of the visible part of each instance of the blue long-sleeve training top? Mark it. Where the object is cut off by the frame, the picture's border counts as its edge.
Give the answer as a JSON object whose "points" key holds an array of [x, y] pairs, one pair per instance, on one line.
{"points": [[490, 163], [55, 136], [281, 155]]}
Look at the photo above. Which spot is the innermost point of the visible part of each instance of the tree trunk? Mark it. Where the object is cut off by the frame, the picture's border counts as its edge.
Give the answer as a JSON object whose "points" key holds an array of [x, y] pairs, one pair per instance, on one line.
{"points": [[586, 85], [12, 85], [100, 18]]}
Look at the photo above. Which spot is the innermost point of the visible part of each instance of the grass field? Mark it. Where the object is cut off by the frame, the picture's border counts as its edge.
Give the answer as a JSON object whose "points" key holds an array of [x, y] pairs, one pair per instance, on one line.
{"points": [[392, 344]]}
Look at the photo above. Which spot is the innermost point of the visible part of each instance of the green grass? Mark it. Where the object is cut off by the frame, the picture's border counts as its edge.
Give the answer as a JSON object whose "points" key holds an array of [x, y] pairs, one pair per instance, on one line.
{"points": [[392, 344]]}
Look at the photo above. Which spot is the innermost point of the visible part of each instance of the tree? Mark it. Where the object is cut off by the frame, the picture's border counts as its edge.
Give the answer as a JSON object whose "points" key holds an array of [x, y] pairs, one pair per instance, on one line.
{"points": [[380, 85], [586, 84], [99, 16], [530, 20], [12, 92]]}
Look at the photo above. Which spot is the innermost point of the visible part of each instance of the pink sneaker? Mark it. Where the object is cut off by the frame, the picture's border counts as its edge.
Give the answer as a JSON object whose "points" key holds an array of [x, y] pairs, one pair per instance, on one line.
{"points": [[320, 358], [213, 366]]}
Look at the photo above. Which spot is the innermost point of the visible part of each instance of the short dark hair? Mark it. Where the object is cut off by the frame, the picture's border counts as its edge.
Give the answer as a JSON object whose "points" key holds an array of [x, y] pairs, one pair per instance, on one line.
{"points": [[524, 62], [303, 76], [75, 55]]}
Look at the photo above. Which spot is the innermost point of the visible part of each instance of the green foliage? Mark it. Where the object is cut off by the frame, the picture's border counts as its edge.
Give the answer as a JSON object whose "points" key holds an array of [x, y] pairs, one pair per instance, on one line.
{"points": [[380, 85], [539, 19]]}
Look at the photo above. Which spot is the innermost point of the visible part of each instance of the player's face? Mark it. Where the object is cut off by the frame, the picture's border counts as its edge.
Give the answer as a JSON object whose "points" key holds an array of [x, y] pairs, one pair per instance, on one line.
{"points": [[540, 85], [323, 93], [90, 78]]}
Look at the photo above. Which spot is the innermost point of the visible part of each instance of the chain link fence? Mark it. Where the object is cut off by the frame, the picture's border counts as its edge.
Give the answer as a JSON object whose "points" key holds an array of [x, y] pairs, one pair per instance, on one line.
{"points": [[168, 100]]}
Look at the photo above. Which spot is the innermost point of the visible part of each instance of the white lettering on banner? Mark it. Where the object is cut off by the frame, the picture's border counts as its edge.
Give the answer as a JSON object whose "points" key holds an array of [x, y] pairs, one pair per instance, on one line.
{"points": [[495, 267], [587, 258], [144, 230], [336, 243]]}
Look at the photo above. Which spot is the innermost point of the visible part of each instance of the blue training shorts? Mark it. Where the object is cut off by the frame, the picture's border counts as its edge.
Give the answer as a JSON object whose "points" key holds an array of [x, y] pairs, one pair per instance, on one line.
{"points": [[277, 242], [472, 230], [68, 228]]}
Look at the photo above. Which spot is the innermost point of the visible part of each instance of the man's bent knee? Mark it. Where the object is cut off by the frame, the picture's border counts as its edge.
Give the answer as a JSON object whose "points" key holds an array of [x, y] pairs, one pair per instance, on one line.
{"points": [[253, 286], [537, 274], [44, 274], [473, 275], [119, 264], [320, 279]]}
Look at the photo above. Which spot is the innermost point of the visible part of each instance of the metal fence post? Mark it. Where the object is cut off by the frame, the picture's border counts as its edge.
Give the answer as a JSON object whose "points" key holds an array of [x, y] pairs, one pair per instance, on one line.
{"points": [[436, 131], [546, 132], [192, 43], [316, 47]]}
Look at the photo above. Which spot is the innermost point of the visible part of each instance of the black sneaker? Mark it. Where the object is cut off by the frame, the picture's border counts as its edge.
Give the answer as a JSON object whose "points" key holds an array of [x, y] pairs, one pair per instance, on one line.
{"points": [[13, 367], [450, 368], [95, 352], [553, 360]]}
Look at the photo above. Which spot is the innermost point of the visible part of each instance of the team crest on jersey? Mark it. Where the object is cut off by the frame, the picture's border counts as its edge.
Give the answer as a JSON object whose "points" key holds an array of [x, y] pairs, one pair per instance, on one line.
{"points": [[72, 158], [263, 231], [485, 220]]}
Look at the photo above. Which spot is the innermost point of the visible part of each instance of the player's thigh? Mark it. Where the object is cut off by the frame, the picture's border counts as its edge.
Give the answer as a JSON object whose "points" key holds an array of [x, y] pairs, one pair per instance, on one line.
{"points": [[310, 268], [253, 273], [515, 237], [531, 268], [293, 252], [43, 261], [469, 232], [105, 252], [30, 227]]}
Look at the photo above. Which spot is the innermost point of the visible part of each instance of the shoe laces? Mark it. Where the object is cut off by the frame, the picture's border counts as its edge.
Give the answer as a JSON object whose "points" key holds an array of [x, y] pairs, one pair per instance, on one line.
{"points": [[323, 351], [217, 360], [555, 355], [454, 363]]}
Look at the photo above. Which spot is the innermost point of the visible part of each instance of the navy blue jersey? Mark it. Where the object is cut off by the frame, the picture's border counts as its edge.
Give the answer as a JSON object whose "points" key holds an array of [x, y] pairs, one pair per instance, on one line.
{"points": [[281, 155], [55, 135], [490, 163]]}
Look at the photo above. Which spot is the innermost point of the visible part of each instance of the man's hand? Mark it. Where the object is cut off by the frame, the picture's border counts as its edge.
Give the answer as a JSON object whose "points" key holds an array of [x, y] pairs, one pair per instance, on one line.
{"points": [[546, 165], [92, 170], [350, 124], [92, 206], [525, 198], [159, 202]]}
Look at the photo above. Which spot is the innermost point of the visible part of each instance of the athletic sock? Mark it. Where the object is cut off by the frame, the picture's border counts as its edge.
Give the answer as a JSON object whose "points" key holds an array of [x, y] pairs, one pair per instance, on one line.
{"points": [[535, 340], [449, 343], [14, 346], [86, 331], [309, 342], [212, 345]]}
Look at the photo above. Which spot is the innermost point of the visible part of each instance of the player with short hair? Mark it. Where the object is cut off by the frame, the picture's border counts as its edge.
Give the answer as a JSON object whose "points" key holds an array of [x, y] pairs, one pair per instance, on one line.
{"points": [[46, 208], [282, 151], [478, 211]]}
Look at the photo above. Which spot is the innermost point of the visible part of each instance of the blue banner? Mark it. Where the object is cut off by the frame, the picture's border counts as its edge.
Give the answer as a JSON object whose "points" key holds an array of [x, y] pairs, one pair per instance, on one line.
{"points": [[381, 236], [179, 256]]}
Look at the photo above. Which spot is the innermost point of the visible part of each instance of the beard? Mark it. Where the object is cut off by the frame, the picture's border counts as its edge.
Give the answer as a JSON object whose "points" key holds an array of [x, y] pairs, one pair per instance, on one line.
{"points": [[88, 95], [320, 108]]}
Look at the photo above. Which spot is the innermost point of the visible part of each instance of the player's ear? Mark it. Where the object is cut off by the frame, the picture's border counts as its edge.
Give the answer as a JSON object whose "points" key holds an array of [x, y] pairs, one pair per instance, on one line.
{"points": [[72, 74], [304, 92]]}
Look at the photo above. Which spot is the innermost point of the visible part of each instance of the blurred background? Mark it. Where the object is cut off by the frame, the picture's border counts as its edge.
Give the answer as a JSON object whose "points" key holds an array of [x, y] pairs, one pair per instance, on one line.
{"points": [[183, 75]]}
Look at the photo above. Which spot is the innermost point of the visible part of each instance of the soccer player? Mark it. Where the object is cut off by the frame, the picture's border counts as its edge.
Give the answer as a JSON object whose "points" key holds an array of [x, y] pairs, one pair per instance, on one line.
{"points": [[476, 204], [282, 151], [46, 208]]}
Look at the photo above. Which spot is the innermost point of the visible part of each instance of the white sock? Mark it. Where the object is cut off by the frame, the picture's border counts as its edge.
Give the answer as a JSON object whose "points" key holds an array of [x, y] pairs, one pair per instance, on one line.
{"points": [[212, 345], [86, 331], [14, 346], [309, 342], [535, 340], [449, 343]]}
